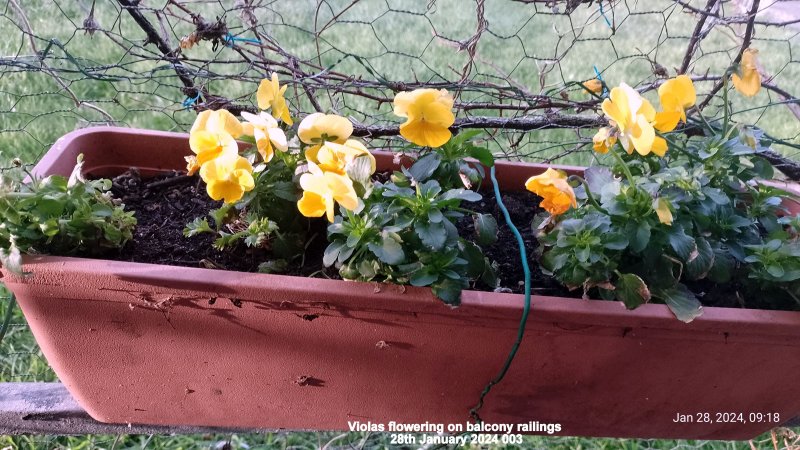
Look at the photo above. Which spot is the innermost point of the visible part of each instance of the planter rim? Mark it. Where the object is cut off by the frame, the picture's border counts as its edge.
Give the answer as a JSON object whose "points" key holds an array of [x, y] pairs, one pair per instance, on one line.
{"points": [[599, 312]]}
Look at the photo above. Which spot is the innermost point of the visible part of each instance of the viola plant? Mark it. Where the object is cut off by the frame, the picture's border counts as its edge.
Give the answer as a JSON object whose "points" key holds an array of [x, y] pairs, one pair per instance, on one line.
{"points": [[59, 215], [671, 215], [401, 229]]}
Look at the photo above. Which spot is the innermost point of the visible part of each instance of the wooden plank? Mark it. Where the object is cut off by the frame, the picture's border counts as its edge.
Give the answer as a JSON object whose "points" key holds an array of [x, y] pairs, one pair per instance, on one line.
{"points": [[47, 408]]}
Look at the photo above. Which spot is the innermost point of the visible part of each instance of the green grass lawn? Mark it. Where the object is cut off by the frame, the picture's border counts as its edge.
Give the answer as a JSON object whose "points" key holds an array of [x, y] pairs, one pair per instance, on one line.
{"points": [[393, 40]]}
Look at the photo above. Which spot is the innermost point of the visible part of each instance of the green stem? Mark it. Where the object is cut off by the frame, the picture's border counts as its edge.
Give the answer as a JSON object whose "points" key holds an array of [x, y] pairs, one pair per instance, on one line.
{"points": [[589, 195], [681, 149], [625, 167], [12, 302], [725, 104]]}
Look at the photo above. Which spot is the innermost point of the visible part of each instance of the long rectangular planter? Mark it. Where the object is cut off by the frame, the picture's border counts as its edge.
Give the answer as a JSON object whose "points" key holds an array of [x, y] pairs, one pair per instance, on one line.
{"points": [[153, 344]]}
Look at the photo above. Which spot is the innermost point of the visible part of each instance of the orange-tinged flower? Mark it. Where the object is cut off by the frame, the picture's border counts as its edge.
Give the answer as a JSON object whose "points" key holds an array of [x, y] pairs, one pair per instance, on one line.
{"points": [[634, 117], [228, 178], [270, 95], [317, 129], [557, 195], [209, 145], [321, 192], [428, 114], [676, 95], [749, 83], [603, 140], [594, 85], [333, 157], [219, 121], [192, 166], [266, 133]]}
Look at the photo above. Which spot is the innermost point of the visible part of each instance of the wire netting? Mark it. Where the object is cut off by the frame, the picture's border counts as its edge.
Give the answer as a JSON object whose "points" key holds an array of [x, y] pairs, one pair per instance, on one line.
{"points": [[514, 66]]}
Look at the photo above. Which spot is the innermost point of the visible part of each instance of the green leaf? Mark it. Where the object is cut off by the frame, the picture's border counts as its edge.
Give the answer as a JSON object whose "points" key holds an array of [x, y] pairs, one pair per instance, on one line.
{"points": [[389, 249], [433, 235], [219, 215], [331, 253], [474, 257], [722, 270], [422, 278], [683, 244], [631, 290], [449, 291], [700, 266], [273, 266], [483, 155], [424, 167], [462, 194], [639, 235], [598, 177], [285, 190], [485, 229], [681, 301], [196, 227]]}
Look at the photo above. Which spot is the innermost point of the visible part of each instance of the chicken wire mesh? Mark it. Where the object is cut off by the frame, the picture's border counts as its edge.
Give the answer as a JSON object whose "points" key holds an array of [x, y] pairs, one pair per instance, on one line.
{"points": [[514, 66]]}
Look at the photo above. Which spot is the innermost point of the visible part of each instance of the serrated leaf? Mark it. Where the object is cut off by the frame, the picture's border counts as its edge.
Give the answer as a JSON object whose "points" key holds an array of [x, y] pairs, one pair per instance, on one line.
{"points": [[196, 227], [285, 190], [433, 235], [683, 244], [424, 167], [699, 267], [331, 253], [681, 301], [422, 278], [485, 229], [632, 290]]}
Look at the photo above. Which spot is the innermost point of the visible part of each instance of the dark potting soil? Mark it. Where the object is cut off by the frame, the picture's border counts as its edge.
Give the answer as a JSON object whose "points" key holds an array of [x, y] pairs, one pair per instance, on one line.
{"points": [[165, 204]]}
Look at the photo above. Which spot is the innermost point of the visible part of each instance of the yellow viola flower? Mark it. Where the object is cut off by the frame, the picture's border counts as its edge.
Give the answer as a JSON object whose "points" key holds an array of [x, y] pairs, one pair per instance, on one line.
{"points": [[633, 116], [209, 145], [603, 140], [266, 133], [321, 192], [557, 195], [676, 95], [594, 85], [192, 166], [228, 178], [270, 95], [333, 157], [219, 121], [749, 83], [428, 114], [662, 209], [317, 129]]}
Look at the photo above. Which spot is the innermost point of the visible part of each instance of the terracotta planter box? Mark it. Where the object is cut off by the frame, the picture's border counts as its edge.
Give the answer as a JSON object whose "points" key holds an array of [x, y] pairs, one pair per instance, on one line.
{"points": [[152, 344]]}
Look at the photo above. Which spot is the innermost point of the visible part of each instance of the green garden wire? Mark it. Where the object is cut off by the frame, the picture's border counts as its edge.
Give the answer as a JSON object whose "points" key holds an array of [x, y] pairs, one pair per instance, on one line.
{"points": [[521, 331]]}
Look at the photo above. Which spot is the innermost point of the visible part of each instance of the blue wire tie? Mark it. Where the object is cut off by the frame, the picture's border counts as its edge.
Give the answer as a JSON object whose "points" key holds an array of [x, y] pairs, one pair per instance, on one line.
{"points": [[231, 39], [603, 13], [600, 77], [190, 101]]}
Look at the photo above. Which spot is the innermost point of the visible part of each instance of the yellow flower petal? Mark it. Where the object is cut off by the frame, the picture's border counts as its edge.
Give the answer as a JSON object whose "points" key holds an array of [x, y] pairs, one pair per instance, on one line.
{"points": [[557, 195], [207, 145], [227, 178], [748, 82], [642, 135], [312, 205], [662, 209], [603, 140], [659, 146], [667, 120], [318, 128], [270, 95], [429, 116]]}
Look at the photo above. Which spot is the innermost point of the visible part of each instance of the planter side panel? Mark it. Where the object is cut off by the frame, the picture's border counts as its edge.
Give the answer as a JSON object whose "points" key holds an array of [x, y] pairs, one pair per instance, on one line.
{"points": [[173, 347]]}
